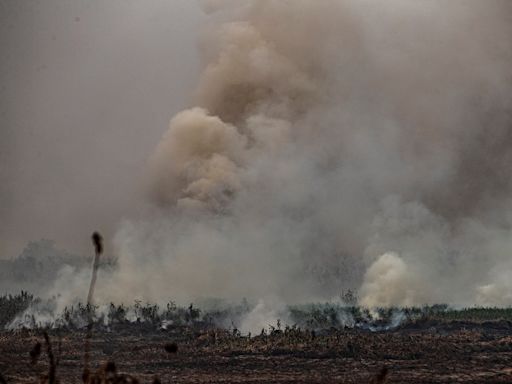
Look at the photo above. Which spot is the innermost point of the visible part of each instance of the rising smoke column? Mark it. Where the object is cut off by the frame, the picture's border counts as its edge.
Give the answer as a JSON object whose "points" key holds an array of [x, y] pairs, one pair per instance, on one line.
{"points": [[335, 144]]}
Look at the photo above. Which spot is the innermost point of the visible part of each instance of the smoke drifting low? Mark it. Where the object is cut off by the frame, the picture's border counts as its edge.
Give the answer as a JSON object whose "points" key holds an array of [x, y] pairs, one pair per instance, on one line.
{"points": [[332, 145]]}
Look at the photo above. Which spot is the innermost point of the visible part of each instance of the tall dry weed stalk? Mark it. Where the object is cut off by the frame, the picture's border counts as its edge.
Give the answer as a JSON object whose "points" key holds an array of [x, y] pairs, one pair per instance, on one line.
{"points": [[97, 241]]}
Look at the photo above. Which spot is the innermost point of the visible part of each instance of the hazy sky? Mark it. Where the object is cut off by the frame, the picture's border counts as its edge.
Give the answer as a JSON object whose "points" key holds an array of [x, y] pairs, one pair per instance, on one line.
{"points": [[86, 90]]}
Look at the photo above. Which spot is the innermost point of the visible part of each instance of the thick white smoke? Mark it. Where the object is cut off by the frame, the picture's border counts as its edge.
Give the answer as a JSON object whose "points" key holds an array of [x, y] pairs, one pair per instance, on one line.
{"points": [[335, 144]]}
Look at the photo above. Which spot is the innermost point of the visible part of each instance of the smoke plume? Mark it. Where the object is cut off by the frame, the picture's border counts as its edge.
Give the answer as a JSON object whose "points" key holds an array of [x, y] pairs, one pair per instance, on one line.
{"points": [[330, 145], [336, 144]]}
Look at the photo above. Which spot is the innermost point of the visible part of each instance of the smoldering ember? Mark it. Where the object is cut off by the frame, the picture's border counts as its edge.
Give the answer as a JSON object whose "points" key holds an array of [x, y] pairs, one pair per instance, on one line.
{"points": [[264, 191]]}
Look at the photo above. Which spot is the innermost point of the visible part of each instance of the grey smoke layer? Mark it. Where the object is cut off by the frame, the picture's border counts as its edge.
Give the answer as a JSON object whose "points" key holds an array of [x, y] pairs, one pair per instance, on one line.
{"points": [[332, 145], [86, 90]]}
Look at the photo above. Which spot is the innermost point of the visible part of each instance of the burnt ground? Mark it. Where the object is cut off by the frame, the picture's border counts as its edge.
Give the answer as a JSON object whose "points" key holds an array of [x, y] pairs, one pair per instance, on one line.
{"points": [[428, 352]]}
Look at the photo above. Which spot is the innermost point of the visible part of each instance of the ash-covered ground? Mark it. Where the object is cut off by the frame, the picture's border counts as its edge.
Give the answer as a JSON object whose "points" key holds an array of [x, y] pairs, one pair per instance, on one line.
{"points": [[425, 352]]}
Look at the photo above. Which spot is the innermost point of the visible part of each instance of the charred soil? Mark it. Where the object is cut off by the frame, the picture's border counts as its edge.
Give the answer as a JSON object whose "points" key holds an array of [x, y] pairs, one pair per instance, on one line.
{"points": [[425, 352]]}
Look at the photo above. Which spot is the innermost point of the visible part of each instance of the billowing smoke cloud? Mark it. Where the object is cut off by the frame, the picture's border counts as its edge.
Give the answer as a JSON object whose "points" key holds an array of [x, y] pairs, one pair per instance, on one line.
{"points": [[332, 145], [333, 138], [196, 162]]}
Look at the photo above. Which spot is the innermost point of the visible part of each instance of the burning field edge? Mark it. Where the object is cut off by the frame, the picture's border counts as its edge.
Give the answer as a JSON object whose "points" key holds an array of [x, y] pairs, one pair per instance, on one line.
{"points": [[333, 343]]}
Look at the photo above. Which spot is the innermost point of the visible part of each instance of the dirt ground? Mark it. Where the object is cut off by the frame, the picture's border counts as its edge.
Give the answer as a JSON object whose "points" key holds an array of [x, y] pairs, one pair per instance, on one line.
{"points": [[425, 353]]}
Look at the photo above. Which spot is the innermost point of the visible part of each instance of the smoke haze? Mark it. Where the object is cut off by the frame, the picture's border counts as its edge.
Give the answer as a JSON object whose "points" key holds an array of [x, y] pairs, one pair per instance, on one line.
{"points": [[87, 88], [328, 145]]}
